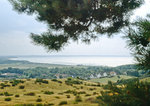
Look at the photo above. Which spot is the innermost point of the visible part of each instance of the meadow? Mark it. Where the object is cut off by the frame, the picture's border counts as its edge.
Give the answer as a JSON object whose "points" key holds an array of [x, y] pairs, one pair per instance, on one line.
{"points": [[24, 83], [53, 92], [113, 79]]}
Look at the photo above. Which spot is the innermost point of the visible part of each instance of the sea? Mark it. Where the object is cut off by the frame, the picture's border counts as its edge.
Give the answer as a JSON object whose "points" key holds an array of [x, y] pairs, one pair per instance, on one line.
{"points": [[92, 60]]}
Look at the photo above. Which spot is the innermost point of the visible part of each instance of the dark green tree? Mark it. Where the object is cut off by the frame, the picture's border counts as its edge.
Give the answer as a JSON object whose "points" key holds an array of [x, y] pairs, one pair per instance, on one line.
{"points": [[76, 19], [134, 93], [139, 42]]}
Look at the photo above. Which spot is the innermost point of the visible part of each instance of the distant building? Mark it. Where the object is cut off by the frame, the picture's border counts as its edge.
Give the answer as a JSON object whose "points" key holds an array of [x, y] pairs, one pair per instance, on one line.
{"points": [[92, 76], [125, 73], [112, 73], [99, 75], [9, 74], [58, 76], [105, 74]]}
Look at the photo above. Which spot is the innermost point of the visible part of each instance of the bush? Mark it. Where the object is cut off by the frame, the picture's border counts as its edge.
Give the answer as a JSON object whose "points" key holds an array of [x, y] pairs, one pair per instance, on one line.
{"points": [[41, 81], [4, 85], [7, 94], [78, 99], [94, 93], [71, 81], [87, 95], [68, 96], [30, 94], [82, 92], [16, 82], [135, 93], [91, 89], [63, 103], [59, 82], [21, 87], [17, 95], [60, 93], [39, 100], [48, 92], [50, 104], [55, 80], [71, 92], [1, 94], [57, 97], [7, 99]]}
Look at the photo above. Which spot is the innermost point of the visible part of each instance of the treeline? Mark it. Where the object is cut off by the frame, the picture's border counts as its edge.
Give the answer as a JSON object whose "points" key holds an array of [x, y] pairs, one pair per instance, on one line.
{"points": [[64, 72]]}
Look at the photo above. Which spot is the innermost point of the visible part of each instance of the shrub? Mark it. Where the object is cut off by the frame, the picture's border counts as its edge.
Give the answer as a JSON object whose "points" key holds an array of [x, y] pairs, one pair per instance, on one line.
{"points": [[63, 103], [59, 82], [21, 87], [71, 92], [68, 96], [71, 81], [50, 104], [81, 87], [57, 97], [17, 95], [87, 95], [41, 81], [94, 93], [135, 93], [7, 94], [16, 82], [1, 94], [7, 99], [48, 92], [4, 85], [91, 89], [30, 94], [55, 80], [39, 100], [82, 92], [60, 93], [78, 99], [40, 105]]}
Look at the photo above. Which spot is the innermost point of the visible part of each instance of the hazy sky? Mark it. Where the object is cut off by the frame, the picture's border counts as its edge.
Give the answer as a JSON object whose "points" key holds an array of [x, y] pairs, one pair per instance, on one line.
{"points": [[15, 30]]}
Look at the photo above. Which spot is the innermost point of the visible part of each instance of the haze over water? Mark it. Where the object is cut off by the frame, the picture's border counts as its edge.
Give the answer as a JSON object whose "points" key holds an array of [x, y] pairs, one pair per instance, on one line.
{"points": [[80, 60]]}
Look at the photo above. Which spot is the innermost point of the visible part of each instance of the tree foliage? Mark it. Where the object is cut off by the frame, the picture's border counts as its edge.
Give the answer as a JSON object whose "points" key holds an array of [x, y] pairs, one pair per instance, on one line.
{"points": [[139, 41], [76, 19], [134, 93]]}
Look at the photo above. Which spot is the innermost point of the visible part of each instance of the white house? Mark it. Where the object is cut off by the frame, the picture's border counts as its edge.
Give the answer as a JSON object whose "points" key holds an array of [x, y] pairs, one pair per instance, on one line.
{"points": [[112, 73], [105, 74], [92, 76], [99, 75]]}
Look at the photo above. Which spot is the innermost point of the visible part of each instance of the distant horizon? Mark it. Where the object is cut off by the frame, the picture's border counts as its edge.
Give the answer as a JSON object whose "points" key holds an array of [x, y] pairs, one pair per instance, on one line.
{"points": [[63, 55], [93, 60]]}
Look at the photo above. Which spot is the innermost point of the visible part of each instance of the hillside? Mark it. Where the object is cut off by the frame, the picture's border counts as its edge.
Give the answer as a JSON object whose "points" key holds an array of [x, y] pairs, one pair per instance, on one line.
{"points": [[49, 92]]}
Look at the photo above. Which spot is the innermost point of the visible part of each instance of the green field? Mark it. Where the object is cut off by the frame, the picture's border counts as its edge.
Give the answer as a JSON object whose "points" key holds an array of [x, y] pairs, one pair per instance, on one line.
{"points": [[88, 93], [113, 79]]}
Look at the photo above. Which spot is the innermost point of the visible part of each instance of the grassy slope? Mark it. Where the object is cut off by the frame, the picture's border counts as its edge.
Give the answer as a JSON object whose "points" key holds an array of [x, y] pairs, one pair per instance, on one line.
{"points": [[146, 79], [113, 79], [56, 87]]}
